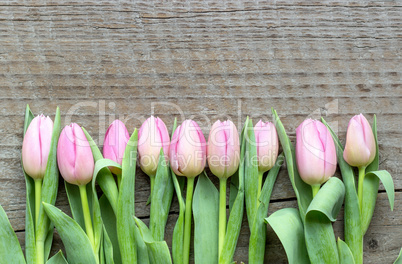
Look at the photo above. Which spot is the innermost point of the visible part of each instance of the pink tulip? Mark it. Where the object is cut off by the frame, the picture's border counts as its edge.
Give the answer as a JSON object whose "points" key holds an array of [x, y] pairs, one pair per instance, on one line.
{"points": [[74, 156], [223, 151], [360, 148], [266, 139], [36, 146], [152, 136], [187, 151], [315, 152], [115, 143]]}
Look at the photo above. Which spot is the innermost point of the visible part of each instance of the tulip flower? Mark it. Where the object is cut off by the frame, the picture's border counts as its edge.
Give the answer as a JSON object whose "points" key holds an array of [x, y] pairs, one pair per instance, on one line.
{"points": [[360, 148], [266, 139], [315, 153], [223, 154], [35, 153], [115, 143], [76, 165], [187, 154], [36, 146], [152, 136]]}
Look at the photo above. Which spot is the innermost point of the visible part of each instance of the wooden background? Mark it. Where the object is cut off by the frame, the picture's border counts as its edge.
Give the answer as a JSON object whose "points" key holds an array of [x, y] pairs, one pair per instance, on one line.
{"points": [[205, 60]]}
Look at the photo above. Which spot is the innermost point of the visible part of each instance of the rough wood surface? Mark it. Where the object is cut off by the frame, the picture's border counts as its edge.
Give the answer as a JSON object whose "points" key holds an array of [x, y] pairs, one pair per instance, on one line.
{"points": [[205, 60]]}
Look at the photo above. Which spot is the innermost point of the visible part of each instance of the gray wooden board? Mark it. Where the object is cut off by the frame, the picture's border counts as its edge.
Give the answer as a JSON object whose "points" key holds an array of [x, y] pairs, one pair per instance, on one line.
{"points": [[204, 60]]}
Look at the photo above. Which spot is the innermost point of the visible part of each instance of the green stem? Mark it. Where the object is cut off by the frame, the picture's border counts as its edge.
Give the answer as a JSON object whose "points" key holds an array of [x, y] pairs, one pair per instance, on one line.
{"points": [[39, 243], [40, 251], [260, 175], [315, 189], [362, 171], [187, 220], [222, 213], [152, 185], [38, 194], [87, 215]]}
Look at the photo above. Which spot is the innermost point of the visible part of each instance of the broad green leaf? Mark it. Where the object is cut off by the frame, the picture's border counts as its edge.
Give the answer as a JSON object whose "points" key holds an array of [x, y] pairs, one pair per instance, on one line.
{"points": [[352, 220], [107, 247], [206, 219], [142, 250], [288, 226], [125, 206], [250, 174], [373, 166], [30, 204], [368, 207], [161, 199], [302, 189], [345, 255], [10, 249], [57, 259], [74, 200], [399, 258], [178, 231], [236, 213], [259, 230], [75, 241], [50, 185], [158, 251], [109, 222], [318, 231], [105, 178]]}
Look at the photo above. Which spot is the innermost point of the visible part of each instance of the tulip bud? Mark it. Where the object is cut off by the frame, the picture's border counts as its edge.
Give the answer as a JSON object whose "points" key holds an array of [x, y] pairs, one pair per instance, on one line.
{"points": [[152, 136], [223, 151], [36, 146], [74, 156], [360, 148], [315, 152], [266, 139], [115, 143], [187, 152]]}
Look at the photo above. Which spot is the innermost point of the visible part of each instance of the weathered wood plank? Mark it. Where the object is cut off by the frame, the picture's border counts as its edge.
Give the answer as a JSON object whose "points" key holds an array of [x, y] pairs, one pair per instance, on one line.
{"points": [[204, 60]]}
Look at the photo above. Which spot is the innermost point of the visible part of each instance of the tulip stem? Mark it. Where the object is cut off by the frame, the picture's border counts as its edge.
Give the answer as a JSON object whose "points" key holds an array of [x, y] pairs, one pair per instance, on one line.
{"points": [[38, 194], [222, 212], [315, 189], [260, 175], [87, 215], [362, 171], [152, 185], [187, 220]]}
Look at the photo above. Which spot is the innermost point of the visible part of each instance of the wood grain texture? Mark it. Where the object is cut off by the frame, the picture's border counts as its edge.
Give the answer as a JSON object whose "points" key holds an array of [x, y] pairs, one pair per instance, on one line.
{"points": [[204, 60]]}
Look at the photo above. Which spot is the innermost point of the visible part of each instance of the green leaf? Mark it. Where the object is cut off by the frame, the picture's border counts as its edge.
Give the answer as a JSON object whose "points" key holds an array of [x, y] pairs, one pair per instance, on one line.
{"points": [[142, 250], [178, 231], [126, 203], [161, 199], [206, 218], [74, 200], [30, 249], [50, 185], [345, 255], [10, 249], [236, 214], [352, 220], [107, 247], [105, 179], [109, 222], [373, 166], [250, 174], [368, 205], [258, 232], [75, 241], [399, 258], [57, 259], [288, 226], [318, 231], [302, 189], [158, 251]]}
